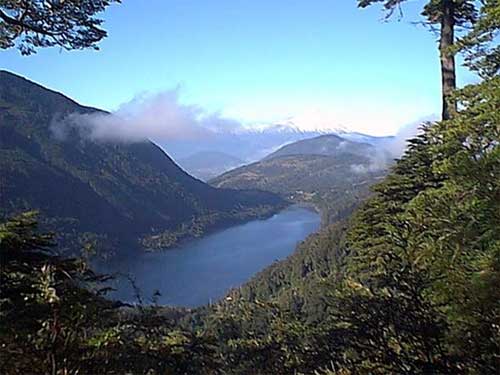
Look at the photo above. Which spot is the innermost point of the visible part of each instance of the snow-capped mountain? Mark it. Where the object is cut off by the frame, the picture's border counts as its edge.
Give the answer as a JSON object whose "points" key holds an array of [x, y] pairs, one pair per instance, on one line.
{"points": [[292, 125], [254, 142], [248, 144]]}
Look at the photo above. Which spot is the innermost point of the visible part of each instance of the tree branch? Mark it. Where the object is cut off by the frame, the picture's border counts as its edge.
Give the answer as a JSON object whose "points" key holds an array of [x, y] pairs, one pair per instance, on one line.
{"points": [[24, 25]]}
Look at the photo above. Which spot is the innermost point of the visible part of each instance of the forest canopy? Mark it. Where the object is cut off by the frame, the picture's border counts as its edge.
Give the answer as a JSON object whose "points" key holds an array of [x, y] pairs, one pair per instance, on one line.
{"points": [[409, 284]]}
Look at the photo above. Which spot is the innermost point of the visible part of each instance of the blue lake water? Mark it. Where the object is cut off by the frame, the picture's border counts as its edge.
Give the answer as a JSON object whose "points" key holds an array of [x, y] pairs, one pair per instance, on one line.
{"points": [[203, 270]]}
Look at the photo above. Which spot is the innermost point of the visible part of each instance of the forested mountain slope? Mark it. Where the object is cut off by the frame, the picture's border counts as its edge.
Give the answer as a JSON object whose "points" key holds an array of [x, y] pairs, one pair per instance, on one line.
{"points": [[332, 184], [99, 190], [328, 145], [409, 284]]}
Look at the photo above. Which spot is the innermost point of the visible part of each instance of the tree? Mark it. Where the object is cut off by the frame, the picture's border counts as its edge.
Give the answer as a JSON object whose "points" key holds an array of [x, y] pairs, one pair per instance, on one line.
{"points": [[448, 14], [69, 24], [42, 303], [482, 54], [54, 318]]}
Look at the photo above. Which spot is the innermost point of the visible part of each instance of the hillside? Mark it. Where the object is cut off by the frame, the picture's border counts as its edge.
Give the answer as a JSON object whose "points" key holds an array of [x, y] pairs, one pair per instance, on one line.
{"points": [[327, 145], [408, 284], [403, 278], [379, 293], [249, 143], [209, 164], [333, 184], [91, 191]]}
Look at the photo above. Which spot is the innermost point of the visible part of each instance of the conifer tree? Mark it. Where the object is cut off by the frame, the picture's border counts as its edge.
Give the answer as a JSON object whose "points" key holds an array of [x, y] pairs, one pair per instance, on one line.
{"points": [[69, 24], [448, 15]]}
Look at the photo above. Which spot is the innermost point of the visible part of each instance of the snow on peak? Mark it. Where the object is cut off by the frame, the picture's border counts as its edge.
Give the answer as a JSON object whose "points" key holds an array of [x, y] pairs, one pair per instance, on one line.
{"points": [[291, 125]]}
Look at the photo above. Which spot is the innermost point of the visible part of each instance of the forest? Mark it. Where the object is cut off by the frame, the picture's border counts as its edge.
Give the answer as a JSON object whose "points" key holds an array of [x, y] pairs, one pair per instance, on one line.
{"points": [[408, 283]]}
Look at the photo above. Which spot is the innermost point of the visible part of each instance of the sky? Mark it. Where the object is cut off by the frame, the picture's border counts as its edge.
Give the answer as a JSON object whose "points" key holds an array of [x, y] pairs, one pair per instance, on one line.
{"points": [[322, 63]]}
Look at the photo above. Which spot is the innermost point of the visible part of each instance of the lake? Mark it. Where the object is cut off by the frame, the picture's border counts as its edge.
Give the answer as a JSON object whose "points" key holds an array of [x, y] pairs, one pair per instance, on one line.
{"points": [[203, 270]]}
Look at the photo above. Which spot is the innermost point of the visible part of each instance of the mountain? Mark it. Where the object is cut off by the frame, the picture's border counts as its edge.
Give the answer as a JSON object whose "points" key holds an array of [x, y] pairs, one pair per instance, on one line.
{"points": [[365, 138], [326, 145], [115, 193], [248, 144], [333, 184], [209, 164], [252, 143]]}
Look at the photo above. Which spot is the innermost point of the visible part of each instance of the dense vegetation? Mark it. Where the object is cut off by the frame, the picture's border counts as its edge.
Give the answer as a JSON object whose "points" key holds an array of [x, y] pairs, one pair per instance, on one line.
{"points": [[54, 320], [407, 285], [117, 194], [327, 144], [411, 284], [334, 182]]}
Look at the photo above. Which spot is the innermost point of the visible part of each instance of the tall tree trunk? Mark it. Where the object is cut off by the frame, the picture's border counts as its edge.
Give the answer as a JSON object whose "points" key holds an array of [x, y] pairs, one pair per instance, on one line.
{"points": [[448, 58]]}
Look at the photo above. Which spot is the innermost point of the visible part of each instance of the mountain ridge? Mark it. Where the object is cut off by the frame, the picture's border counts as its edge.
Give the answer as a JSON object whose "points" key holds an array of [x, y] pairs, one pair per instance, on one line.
{"points": [[107, 191], [326, 144], [209, 164], [333, 184]]}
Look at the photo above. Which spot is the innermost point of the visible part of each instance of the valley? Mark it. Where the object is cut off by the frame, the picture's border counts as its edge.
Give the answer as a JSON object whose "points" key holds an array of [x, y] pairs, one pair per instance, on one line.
{"points": [[327, 172], [249, 188], [116, 202], [202, 271], [113, 197]]}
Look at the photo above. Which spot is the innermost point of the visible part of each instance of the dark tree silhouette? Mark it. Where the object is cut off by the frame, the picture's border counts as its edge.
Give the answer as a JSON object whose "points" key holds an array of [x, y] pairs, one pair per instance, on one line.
{"points": [[447, 14], [69, 24]]}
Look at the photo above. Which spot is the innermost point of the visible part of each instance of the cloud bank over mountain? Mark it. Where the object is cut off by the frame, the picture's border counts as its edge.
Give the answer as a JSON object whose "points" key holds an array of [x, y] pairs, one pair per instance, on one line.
{"points": [[398, 143], [184, 129], [158, 117]]}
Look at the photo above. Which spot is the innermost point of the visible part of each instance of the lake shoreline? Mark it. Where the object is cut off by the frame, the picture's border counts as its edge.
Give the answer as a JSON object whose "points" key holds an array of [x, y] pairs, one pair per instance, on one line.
{"points": [[204, 270], [218, 226]]}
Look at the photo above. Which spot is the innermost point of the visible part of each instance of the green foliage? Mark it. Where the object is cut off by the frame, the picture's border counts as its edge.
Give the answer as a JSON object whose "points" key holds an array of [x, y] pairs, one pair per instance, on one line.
{"points": [[431, 254], [121, 195], [481, 51], [332, 184], [301, 282], [43, 309], [409, 285], [69, 24], [464, 10], [53, 319]]}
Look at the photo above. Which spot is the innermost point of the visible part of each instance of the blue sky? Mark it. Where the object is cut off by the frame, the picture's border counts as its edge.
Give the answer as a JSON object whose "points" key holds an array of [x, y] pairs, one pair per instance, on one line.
{"points": [[324, 63]]}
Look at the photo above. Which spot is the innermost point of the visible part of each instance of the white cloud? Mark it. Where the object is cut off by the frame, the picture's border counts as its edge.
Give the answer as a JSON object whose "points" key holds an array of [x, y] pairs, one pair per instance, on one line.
{"points": [[159, 117], [370, 115], [398, 143], [393, 147]]}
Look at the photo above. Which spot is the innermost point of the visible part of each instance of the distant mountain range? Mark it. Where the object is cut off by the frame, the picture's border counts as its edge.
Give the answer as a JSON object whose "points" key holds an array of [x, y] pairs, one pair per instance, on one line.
{"points": [[205, 159], [209, 164], [95, 191], [328, 171], [252, 144], [326, 145], [248, 145]]}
